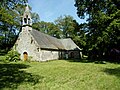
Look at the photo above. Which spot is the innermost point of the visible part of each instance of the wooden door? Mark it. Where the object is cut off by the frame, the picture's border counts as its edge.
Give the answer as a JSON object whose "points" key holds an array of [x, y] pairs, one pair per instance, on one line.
{"points": [[25, 56]]}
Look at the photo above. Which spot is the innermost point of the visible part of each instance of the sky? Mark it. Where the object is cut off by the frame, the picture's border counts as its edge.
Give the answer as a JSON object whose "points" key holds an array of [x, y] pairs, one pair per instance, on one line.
{"points": [[50, 10]]}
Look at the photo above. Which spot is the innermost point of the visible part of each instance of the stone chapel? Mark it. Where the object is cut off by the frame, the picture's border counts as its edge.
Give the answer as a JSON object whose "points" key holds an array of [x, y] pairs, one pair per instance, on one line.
{"points": [[43, 47]]}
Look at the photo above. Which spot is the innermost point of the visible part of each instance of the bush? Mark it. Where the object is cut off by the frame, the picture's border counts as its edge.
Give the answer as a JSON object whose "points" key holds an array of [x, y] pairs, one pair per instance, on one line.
{"points": [[13, 56]]}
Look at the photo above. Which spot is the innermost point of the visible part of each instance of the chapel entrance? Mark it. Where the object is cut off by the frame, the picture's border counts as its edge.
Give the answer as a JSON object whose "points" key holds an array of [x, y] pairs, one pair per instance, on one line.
{"points": [[25, 54]]}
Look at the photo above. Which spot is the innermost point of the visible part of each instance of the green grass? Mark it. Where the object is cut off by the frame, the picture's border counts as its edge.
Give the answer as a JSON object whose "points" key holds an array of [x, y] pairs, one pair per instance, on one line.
{"points": [[59, 75]]}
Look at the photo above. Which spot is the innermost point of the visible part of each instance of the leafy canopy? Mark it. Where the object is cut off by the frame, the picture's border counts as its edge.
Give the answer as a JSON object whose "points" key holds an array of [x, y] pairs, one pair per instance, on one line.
{"points": [[103, 24]]}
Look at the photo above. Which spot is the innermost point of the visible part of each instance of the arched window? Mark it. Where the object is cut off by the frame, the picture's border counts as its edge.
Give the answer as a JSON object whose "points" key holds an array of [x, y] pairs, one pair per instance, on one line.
{"points": [[25, 20]]}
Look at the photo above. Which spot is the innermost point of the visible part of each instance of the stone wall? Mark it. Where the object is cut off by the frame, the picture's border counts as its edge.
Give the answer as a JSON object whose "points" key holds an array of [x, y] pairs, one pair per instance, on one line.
{"points": [[49, 55], [26, 43]]}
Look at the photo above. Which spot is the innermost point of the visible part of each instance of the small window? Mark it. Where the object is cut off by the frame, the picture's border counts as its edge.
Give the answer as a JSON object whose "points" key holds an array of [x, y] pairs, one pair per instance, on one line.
{"points": [[18, 39], [38, 49], [26, 16], [25, 20], [31, 40]]}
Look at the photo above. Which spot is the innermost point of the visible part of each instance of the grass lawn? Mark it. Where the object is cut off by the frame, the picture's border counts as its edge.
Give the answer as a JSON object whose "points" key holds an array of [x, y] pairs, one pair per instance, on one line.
{"points": [[59, 75]]}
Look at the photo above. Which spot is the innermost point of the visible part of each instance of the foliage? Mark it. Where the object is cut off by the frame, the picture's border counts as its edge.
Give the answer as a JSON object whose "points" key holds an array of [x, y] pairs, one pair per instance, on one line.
{"points": [[7, 27], [9, 22], [92, 7], [71, 29], [48, 28], [66, 25], [35, 18], [103, 25], [13, 56], [11, 13], [9, 4]]}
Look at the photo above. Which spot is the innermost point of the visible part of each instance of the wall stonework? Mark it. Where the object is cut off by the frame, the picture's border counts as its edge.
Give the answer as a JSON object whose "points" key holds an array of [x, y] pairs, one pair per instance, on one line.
{"points": [[26, 43], [49, 55]]}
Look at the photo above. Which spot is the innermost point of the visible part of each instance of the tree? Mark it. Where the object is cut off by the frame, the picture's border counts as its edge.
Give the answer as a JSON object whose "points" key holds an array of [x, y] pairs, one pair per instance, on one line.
{"points": [[8, 22], [71, 29], [11, 13], [103, 24], [7, 26], [35, 18], [48, 28], [9, 4], [67, 25]]}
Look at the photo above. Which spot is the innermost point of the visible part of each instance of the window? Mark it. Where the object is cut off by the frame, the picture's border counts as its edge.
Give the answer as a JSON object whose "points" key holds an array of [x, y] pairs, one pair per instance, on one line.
{"points": [[31, 40], [29, 21], [26, 16], [38, 49], [18, 39], [25, 20]]}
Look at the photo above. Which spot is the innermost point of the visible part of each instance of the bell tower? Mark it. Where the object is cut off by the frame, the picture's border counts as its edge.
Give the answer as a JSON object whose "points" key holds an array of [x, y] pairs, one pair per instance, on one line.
{"points": [[27, 20]]}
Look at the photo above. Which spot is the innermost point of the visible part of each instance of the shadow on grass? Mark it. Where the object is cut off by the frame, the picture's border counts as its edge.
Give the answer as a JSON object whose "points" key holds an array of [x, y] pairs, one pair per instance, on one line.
{"points": [[115, 71], [87, 61], [12, 76]]}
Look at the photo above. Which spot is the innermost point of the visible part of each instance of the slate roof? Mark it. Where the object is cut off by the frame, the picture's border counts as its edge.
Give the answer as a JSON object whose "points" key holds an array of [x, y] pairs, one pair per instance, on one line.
{"points": [[69, 44], [48, 42]]}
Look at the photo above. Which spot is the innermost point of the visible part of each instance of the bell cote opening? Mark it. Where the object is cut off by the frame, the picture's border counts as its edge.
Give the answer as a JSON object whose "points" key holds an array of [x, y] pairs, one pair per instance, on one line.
{"points": [[27, 20]]}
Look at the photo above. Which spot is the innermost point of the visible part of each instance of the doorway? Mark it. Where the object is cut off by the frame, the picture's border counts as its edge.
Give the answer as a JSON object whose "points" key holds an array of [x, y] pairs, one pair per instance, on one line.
{"points": [[25, 54], [72, 55]]}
